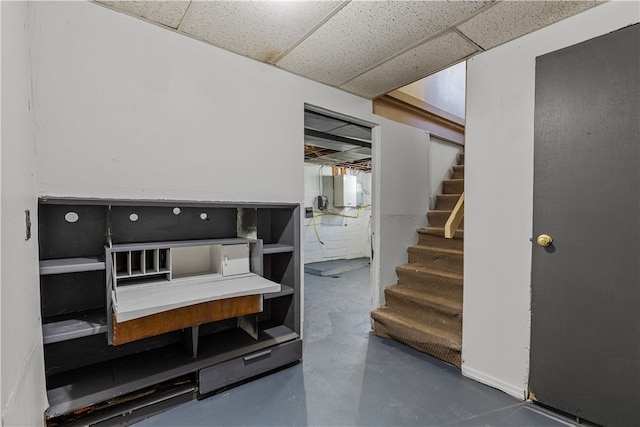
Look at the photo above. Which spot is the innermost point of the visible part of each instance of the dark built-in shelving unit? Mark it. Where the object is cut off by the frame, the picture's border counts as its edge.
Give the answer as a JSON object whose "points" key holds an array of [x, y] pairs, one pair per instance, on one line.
{"points": [[87, 375]]}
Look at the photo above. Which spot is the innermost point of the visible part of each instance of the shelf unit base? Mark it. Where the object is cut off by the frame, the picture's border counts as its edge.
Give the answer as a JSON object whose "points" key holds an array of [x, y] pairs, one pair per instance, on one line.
{"points": [[83, 387]]}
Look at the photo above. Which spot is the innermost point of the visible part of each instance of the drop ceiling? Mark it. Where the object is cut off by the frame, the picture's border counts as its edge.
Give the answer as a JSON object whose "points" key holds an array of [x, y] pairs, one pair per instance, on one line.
{"points": [[367, 48]]}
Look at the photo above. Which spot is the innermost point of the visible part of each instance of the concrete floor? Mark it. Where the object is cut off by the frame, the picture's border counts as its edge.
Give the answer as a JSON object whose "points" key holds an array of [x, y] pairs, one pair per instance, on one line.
{"points": [[351, 377]]}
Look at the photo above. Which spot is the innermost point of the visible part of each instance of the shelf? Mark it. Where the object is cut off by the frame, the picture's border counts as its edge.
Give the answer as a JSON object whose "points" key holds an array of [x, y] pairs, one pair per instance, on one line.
{"points": [[137, 301], [96, 383], [276, 248], [82, 325], [135, 274], [124, 247], [285, 290], [70, 265]]}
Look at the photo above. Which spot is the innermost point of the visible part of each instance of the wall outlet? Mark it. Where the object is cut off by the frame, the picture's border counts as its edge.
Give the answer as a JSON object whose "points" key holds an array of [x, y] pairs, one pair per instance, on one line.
{"points": [[308, 212]]}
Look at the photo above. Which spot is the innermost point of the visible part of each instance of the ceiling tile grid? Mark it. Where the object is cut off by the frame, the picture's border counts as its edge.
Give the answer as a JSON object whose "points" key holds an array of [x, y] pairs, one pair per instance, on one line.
{"points": [[508, 20], [365, 33], [258, 29], [365, 47], [167, 13], [428, 58]]}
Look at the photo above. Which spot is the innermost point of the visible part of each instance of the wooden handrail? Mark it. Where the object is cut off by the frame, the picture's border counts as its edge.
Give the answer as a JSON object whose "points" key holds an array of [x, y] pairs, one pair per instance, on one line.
{"points": [[455, 218]]}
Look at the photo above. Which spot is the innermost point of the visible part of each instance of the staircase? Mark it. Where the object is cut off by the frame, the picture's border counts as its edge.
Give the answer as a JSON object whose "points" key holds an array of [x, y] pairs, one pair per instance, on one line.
{"points": [[424, 309]]}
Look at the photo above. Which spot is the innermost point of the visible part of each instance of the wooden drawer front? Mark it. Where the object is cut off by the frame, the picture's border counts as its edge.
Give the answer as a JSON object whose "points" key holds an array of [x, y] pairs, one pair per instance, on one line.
{"points": [[232, 371], [184, 317]]}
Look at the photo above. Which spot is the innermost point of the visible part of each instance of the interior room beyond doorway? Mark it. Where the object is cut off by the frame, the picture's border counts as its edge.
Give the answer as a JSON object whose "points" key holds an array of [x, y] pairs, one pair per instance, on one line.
{"points": [[337, 177]]}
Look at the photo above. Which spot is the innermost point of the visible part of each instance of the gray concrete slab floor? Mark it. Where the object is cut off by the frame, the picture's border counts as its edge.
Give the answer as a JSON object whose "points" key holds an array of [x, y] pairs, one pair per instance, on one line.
{"points": [[335, 267], [350, 377]]}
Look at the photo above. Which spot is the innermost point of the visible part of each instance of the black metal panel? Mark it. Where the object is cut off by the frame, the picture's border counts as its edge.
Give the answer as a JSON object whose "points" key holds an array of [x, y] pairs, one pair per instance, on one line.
{"points": [[264, 226], [276, 225], [282, 311], [282, 226], [585, 338], [69, 355], [219, 326], [71, 292], [132, 407], [62, 239], [159, 223], [279, 268], [249, 365]]}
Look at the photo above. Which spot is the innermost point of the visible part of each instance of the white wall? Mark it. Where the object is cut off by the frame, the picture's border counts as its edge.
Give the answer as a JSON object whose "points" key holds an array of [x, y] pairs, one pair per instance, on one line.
{"points": [[22, 397], [125, 109], [499, 194], [403, 180], [129, 110], [343, 237], [444, 89], [442, 156]]}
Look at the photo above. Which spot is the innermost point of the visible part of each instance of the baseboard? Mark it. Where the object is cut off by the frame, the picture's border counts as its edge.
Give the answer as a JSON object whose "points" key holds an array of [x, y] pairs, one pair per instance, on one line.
{"points": [[483, 378]]}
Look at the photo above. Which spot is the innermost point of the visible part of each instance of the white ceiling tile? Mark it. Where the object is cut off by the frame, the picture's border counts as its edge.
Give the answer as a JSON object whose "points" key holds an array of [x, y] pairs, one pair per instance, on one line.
{"points": [[167, 13], [365, 33], [365, 47], [415, 64], [508, 20], [259, 29]]}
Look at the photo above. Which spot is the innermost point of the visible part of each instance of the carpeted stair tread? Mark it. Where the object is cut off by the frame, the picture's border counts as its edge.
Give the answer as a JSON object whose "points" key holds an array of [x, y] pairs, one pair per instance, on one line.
{"points": [[458, 172], [425, 248], [439, 241], [439, 231], [425, 269], [454, 341], [441, 258], [443, 345], [424, 278], [453, 186], [423, 298], [434, 236], [446, 201], [438, 218], [426, 310]]}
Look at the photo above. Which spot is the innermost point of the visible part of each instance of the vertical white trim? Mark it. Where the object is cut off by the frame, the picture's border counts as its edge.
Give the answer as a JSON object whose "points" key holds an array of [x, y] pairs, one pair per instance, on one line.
{"points": [[375, 216]]}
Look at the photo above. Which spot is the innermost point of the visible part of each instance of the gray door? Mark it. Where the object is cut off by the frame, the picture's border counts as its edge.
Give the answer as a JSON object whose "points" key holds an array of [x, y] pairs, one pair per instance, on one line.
{"points": [[585, 337]]}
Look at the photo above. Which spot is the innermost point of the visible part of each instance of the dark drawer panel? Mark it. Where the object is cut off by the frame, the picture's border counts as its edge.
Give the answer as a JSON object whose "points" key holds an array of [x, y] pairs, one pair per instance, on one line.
{"points": [[232, 371]]}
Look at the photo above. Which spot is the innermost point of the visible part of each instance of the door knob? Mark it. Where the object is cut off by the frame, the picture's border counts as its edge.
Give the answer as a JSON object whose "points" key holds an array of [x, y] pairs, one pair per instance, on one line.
{"points": [[544, 240]]}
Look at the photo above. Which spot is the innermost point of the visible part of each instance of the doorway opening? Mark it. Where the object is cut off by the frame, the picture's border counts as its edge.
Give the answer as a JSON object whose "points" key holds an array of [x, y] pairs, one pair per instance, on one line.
{"points": [[337, 229]]}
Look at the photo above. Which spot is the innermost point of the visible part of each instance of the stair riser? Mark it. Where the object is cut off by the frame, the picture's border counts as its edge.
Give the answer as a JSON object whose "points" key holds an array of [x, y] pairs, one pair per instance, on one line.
{"points": [[458, 172], [426, 315], [439, 219], [419, 342], [437, 260], [453, 187], [440, 241], [446, 202], [439, 285]]}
